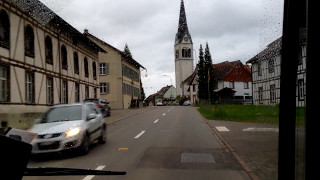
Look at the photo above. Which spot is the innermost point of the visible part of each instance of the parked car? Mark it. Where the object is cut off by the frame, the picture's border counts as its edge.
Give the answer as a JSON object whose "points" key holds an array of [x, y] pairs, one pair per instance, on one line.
{"points": [[187, 103], [68, 126], [102, 104], [159, 104]]}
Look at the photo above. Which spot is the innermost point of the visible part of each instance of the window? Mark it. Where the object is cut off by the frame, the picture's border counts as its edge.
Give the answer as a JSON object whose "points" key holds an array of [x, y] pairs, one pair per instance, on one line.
{"points": [[4, 83], [231, 85], [29, 41], [186, 52], [64, 57], [49, 90], [77, 92], [104, 68], [130, 73], [86, 67], [4, 30], [246, 85], [94, 70], [30, 87], [259, 69], [95, 93], [86, 92], [65, 92], [260, 94], [303, 53], [300, 89], [48, 51], [76, 62], [271, 65], [273, 93], [104, 88]]}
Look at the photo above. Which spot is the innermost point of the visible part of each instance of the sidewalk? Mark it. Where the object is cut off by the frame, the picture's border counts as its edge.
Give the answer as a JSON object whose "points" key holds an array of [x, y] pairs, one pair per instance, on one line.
{"points": [[256, 146]]}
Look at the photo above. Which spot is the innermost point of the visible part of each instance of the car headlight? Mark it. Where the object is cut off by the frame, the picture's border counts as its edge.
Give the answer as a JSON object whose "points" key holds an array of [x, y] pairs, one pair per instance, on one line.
{"points": [[72, 132]]}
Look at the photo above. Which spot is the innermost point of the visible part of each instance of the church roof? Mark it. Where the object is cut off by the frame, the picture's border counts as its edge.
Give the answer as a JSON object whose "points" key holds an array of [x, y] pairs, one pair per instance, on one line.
{"points": [[183, 26]]}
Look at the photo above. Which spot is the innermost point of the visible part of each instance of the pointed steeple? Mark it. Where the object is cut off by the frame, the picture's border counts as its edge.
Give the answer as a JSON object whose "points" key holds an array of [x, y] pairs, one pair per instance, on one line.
{"points": [[183, 26]]}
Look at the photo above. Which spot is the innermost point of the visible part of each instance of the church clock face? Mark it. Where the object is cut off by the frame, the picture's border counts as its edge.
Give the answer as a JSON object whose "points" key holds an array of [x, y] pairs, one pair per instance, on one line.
{"points": [[186, 38]]}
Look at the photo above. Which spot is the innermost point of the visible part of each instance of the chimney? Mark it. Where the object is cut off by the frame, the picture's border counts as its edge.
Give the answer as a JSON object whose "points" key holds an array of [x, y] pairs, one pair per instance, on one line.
{"points": [[86, 31]]}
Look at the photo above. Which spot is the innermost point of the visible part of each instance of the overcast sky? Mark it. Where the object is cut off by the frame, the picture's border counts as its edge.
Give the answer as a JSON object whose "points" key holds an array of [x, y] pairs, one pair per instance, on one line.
{"points": [[234, 29]]}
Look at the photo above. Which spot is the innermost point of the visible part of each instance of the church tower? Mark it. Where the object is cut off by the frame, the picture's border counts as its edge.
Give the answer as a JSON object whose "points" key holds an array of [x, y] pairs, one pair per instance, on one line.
{"points": [[183, 48]]}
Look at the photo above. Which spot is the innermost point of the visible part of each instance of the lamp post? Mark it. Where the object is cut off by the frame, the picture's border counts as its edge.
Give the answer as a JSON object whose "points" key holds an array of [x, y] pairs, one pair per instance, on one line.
{"points": [[170, 87]]}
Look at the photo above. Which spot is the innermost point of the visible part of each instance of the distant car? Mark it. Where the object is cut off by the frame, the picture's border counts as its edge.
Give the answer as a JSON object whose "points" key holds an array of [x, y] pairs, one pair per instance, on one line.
{"points": [[102, 104], [187, 103], [159, 104], [68, 126]]}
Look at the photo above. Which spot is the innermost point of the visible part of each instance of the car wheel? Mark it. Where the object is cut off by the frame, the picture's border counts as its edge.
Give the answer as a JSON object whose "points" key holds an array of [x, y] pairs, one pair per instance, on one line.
{"points": [[104, 113], [103, 136], [85, 145], [109, 112]]}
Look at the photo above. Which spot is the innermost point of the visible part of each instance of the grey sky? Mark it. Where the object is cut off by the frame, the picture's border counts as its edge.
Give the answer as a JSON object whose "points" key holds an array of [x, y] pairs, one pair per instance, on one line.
{"points": [[234, 29]]}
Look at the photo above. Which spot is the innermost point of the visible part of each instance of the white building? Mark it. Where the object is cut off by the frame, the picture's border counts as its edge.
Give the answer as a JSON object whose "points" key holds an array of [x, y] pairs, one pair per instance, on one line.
{"points": [[43, 59]]}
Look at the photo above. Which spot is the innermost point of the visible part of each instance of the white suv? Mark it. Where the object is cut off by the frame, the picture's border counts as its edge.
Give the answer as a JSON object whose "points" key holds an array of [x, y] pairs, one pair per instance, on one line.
{"points": [[68, 126]]}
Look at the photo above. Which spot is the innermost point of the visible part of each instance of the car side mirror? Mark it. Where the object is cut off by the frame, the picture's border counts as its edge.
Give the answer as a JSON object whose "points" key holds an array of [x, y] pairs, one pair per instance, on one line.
{"points": [[91, 116]]}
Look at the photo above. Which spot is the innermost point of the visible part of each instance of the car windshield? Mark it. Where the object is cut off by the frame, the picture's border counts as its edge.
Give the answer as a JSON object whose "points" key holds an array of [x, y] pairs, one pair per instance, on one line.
{"points": [[182, 89], [65, 113]]}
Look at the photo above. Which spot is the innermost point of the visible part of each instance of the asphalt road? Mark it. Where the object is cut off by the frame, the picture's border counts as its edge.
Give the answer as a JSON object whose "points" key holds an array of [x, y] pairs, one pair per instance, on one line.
{"points": [[163, 143]]}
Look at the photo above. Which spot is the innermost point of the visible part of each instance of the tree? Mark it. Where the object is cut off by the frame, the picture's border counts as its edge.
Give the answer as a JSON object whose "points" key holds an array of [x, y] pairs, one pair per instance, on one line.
{"points": [[142, 95], [209, 72], [202, 76], [127, 51]]}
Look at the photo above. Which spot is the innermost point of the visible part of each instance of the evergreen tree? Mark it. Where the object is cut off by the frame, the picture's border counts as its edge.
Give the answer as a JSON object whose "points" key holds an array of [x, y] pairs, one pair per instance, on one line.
{"points": [[127, 51], [202, 76], [209, 72], [142, 94]]}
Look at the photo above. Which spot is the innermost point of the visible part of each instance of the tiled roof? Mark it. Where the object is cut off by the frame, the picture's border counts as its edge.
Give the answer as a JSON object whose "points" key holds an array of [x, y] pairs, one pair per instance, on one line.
{"points": [[222, 69]]}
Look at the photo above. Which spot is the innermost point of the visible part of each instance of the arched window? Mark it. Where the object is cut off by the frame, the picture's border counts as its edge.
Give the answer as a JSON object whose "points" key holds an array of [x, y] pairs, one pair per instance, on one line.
{"points": [[94, 70], [29, 41], [86, 67], [76, 63], [64, 57], [48, 51], [4, 30]]}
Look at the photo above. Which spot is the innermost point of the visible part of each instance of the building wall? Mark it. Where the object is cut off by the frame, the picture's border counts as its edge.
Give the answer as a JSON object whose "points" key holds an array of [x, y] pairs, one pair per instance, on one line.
{"points": [[118, 97], [18, 64], [265, 80], [171, 92]]}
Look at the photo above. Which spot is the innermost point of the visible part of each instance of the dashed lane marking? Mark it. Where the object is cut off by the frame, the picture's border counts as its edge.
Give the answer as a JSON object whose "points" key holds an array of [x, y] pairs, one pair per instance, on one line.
{"points": [[140, 134], [222, 128], [91, 176]]}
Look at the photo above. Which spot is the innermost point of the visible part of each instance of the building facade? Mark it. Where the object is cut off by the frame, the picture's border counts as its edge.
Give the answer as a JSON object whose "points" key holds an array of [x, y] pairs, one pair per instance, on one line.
{"points": [[43, 60], [119, 75], [183, 49], [266, 71]]}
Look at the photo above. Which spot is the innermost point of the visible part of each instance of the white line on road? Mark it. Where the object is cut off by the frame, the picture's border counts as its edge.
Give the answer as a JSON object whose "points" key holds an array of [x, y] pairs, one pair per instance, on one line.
{"points": [[222, 128], [169, 110], [261, 129], [140, 134], [163, 114], [156, 121], [91, 176]]}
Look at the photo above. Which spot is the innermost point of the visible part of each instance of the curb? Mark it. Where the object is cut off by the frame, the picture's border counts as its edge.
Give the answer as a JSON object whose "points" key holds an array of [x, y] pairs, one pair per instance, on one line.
{"points": [[228, 147], [122, 118]]}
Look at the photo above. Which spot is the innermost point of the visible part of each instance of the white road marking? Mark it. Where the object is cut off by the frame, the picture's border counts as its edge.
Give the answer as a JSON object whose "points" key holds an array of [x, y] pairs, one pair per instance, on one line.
{"points": [[156, 121], [163, 114], [169, 110], [91, 176], [261, 129], [222, 128], [140, 134]]}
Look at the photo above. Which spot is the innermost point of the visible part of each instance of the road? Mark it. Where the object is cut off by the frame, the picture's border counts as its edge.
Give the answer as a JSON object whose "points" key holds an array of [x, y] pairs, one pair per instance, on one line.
{"points": [[164, 143]]}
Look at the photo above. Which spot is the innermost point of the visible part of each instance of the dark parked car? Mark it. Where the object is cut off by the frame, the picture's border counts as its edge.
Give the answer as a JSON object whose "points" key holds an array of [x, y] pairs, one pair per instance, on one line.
{"points": [[102, 104]]}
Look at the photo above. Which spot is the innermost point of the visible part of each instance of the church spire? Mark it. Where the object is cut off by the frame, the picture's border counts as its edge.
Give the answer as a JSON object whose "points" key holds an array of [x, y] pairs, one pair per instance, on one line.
{"points": [[183, 26]]}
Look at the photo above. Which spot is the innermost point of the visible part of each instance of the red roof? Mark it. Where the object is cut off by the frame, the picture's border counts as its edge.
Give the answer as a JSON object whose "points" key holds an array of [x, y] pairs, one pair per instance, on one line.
{"points": [[232, 71]]}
